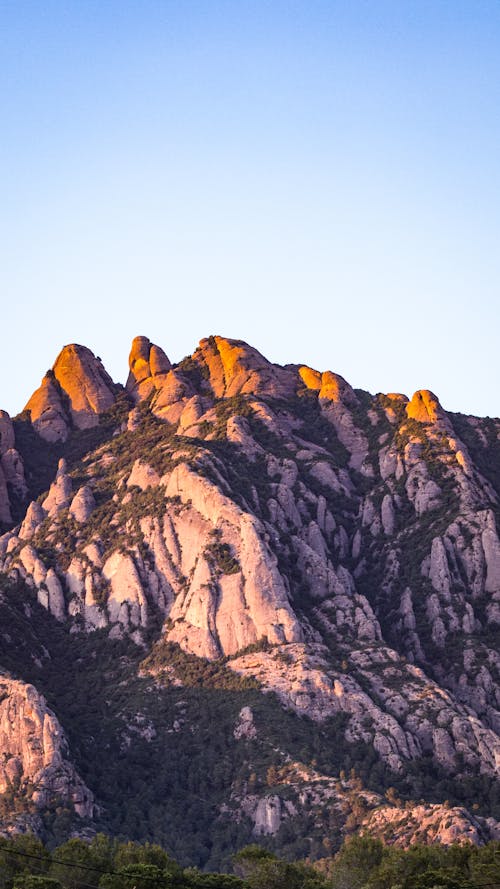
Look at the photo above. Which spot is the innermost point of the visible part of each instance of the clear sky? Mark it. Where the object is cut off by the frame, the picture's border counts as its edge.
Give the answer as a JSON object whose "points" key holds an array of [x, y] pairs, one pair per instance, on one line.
{"points": [[318, 177]]}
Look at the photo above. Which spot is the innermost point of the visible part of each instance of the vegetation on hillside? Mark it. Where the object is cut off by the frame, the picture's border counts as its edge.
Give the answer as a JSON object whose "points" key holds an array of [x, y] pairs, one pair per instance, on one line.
{"points": [[361, 863]]}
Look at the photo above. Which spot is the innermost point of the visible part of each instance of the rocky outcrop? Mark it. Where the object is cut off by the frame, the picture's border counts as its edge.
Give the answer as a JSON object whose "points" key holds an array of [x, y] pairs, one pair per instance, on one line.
{"points": [[5, 513], [47, 410], [329, 386], [12, 480], [425, 407], [391, 705], [60, 492], [303, 791], [245, 728], [82, 504], [148, 366], [72, 395], [267, 816], [443, 824], [87, 386], [223, 612], [35, 514], [234, 368], [220, 573], [34, 752]]}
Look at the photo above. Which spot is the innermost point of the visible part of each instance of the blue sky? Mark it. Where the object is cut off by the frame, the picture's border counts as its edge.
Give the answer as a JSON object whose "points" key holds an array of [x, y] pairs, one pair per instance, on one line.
{"points": [[318, 178]]}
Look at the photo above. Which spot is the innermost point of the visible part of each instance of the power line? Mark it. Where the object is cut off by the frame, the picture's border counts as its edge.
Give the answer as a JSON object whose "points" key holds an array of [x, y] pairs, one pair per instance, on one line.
{"points": [[87, 867], [115, 873]]}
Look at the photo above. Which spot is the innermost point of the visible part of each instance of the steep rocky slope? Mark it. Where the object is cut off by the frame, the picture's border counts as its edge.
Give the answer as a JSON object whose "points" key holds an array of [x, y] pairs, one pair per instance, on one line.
{"points": [[318, 566], [34, 770]]}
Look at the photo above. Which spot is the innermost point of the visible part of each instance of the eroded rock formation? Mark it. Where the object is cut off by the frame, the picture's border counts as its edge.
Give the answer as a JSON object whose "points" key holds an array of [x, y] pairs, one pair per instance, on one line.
{"points": [[337, 549]]}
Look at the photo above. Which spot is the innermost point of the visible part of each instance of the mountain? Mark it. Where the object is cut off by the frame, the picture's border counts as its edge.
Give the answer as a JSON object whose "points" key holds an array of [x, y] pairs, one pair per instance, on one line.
{"points": [[245, 601]]}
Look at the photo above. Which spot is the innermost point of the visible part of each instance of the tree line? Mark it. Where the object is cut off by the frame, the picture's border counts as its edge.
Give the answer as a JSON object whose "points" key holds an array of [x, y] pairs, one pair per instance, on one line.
{"points": [[361, 863]]}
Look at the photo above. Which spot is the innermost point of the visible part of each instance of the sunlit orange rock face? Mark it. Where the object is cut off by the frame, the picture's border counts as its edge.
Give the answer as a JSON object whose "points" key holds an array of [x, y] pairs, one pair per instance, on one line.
{"points": [[73, 393], [148, 366], [424, 407], [47, 411], [234, 368], [311, 378], [87, 385], [397, 396], [330, 386]]}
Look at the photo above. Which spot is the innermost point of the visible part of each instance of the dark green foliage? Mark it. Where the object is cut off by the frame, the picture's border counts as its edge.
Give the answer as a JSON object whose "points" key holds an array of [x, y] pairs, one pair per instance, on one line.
{"points": [[426, 867], [13, 802], [273, 873], [315, 426], [21, 855], [485, 457], [260, 867], [33, 881], [194, 879], [235, 406], [126, 716], [358, 858], [74, 857], [194, 369], [133, 876], [361, 863], [129, 854], [92, 683], [40, 457], [248, 859], [219, 555], [194, 672]]}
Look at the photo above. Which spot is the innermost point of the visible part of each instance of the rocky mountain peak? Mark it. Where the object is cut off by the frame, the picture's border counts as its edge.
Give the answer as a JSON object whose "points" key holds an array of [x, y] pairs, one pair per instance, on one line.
{"points": [[72, 394], [330, 557], [330, 386], [236, 368], [47, 411], [85, 382], [146, 362], [425, 407]]}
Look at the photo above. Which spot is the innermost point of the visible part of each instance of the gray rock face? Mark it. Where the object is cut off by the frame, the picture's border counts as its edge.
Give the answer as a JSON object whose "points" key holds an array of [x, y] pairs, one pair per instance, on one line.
{"points": [[11, 469], [35, 514], [83, 504], [311, 793], [5, 513], [61, 489], [214, 569], [267, 818], [7, 436], [245, 727]]}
